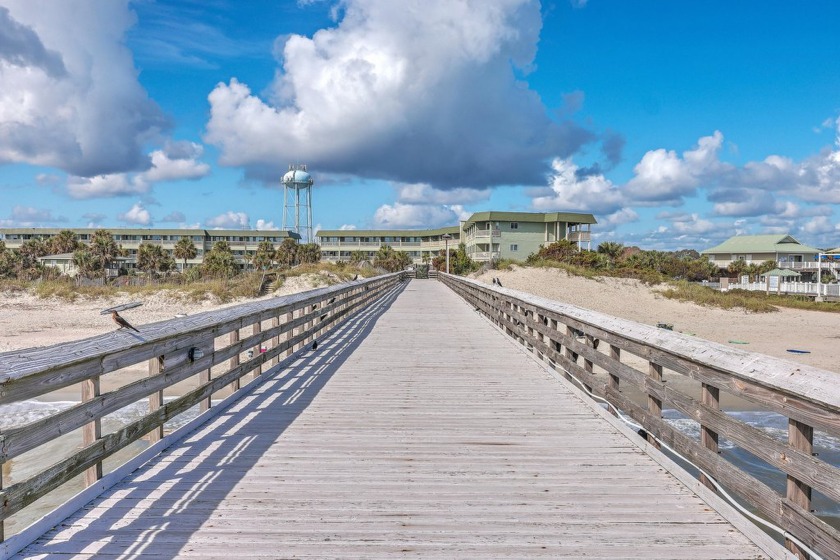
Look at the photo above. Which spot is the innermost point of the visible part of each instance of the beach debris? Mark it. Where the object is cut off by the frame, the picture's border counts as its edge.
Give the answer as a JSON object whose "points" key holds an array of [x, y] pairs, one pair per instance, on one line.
{"points": [[796, 351], [121, 322], [738, 342], [666, 326]]}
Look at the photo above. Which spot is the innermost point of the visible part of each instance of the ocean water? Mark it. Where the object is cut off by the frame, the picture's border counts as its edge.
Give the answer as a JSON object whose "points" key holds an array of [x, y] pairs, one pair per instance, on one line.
{"points": [[826, 447], [30, 463]]}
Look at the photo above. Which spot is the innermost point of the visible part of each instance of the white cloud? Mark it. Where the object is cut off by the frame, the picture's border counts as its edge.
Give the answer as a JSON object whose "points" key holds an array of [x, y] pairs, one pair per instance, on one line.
{"points": [[102, 186], [411, 91], [69, 93], [347, 227], [399, 215], [229, 220], [262, 225], [137, 215], [423, 193], [591, 193], [664, 177], [175, 162]]}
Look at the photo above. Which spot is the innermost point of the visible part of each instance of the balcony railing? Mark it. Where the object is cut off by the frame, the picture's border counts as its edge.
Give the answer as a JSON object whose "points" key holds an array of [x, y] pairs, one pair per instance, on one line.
{"points": [[580, 236]]}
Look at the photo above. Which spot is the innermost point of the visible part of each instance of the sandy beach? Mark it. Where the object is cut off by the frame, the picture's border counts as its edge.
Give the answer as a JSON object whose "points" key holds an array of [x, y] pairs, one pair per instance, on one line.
{"points": [[27, 321]]}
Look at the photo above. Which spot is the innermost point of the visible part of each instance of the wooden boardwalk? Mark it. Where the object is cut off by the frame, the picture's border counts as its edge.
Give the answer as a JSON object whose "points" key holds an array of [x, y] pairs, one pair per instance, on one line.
{"points": [[417, 429]]}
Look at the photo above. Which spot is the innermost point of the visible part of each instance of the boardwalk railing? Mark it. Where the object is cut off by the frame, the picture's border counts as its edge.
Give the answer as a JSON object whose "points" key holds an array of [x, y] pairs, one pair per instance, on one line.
{"points": [[217, 347], [620, 358]]}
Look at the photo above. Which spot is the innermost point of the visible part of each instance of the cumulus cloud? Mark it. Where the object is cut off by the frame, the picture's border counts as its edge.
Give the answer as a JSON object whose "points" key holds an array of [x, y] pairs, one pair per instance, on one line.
{"points": [[176, 161], [400, 215], [263, 224], [103, 186], [137, 215], [229, 220], [664, 177], [347, 227], [423, 193], [420, 91], [69, 94], [572, 192]]}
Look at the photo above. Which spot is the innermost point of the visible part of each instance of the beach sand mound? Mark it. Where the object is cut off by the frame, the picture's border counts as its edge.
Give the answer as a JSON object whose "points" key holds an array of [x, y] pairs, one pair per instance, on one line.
{"points": [[767, 333]]}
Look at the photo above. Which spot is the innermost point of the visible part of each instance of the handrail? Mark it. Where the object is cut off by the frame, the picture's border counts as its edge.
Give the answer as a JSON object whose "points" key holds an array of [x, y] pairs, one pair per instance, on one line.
{"points": [[564, 334], [175, 350]]}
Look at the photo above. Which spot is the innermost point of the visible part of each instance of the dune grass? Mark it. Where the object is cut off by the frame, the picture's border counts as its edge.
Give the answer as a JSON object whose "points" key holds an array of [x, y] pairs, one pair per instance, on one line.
{"points": [[755, 302]]}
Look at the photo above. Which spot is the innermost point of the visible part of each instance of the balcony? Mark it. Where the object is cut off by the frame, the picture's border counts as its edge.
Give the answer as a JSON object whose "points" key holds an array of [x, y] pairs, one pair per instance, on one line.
{"points": [[485, 234], [580, 236]]}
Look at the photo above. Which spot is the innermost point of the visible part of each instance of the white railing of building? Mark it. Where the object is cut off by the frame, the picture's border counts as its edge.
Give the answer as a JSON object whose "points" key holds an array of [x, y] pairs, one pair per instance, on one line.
{"points": [[804, 288]]}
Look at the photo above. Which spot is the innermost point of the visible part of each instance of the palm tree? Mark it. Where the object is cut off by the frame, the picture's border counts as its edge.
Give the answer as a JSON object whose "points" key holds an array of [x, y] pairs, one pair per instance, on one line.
{"points": [[153, 259], [219, 262], [104, 250], [264, 256], [287, 252], [309, 253], [185, 250], [612, 249], [85, 262], [65, 242]]}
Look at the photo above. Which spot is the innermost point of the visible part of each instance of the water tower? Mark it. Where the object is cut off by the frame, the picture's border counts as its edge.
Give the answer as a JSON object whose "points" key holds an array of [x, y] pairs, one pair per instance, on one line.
{"points": [[297, 202]]}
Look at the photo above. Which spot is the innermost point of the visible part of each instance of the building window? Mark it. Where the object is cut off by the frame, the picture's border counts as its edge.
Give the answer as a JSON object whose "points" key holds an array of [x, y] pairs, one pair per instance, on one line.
{"points": [[514, 247], [514, 225]]}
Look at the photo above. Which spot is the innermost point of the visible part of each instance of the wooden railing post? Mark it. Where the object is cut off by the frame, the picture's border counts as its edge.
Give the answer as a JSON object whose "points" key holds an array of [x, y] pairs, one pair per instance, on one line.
{"points": [[156, 366], [614, 381], [570, 332], [290, 316], [233, 338], [255, 351], [710, 396], [93, 430], [654, 404], [275, 342], [801, 438]]}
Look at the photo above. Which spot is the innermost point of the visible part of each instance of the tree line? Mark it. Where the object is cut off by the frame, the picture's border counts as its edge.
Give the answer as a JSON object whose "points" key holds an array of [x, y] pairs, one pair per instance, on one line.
{"points": [[615, 259], [102, 253]]}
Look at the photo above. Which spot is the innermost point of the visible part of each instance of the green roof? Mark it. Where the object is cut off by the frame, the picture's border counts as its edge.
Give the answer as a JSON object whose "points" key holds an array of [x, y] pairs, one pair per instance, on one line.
{"points": [[538, 217], [154, 231], [760, 244], [453, 230]]}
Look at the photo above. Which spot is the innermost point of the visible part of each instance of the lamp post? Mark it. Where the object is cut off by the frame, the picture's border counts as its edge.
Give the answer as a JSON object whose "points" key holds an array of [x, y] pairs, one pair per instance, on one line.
{"points": [[446, 238]]}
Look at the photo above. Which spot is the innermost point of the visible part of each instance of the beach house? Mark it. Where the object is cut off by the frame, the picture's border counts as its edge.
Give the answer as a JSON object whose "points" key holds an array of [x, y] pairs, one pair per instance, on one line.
{"points": [[786, 251]]}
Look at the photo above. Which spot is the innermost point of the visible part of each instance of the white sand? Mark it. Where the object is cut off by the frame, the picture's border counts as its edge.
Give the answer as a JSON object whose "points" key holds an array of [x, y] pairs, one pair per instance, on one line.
{"points": [[767, 333]]}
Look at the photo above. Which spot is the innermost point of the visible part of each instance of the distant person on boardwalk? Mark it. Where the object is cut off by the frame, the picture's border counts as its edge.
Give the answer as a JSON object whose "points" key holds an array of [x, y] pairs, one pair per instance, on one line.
{"points": [[121, 322]]}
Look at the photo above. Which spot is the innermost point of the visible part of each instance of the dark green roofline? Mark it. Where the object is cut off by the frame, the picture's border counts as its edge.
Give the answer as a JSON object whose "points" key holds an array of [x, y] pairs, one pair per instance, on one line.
{"points": [[454, 230], [538, 217], [152, 231]]}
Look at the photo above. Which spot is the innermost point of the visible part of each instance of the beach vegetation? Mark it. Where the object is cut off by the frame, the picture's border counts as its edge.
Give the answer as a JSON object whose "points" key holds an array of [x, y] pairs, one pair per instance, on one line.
{"points": [[391, 260], [66, 241], [185, 250], [459, 261]]}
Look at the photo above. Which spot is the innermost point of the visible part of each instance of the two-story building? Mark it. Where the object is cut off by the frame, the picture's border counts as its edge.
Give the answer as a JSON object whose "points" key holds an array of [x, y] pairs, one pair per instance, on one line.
{"points": [[486, 235]]}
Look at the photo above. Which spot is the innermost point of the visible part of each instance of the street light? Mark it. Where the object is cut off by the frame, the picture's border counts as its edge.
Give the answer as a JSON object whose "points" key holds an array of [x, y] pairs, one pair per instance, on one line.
{"points": [[447, 237]]}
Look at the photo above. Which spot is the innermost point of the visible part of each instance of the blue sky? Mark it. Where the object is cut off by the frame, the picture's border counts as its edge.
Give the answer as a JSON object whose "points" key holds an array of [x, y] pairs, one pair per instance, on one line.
{"points": [[677, 124]]}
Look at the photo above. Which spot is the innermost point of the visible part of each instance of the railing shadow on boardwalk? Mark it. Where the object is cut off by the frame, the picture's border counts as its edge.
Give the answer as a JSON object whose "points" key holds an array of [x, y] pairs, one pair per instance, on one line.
{"points": [[207, 464]]}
